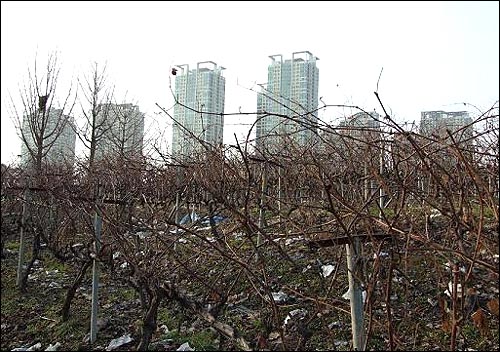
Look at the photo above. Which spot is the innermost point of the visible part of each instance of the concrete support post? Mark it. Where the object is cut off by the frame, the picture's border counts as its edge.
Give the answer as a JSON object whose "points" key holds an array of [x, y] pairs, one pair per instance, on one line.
{"points": [[355, 294], [95, 277]]}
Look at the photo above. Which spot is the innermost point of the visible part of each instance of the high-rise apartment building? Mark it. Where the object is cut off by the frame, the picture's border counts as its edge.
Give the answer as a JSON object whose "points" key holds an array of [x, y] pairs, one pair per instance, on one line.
{"points": [[120, 131], [199, 119], [437, 122], [287, 104], [58, 138]]}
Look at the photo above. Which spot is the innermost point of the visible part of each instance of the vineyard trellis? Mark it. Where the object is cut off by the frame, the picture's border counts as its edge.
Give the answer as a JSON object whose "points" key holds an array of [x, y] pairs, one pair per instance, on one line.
{"points": [[425, 201]]}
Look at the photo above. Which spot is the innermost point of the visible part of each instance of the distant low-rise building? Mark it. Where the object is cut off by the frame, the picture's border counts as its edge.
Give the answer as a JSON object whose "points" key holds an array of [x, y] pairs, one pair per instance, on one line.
{"points": [[361, 126], [357, 130], [436, 123]]}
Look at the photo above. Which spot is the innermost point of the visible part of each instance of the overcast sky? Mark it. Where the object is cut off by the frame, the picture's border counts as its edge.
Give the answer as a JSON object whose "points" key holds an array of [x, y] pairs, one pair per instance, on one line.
{"points": [[435, 55]]}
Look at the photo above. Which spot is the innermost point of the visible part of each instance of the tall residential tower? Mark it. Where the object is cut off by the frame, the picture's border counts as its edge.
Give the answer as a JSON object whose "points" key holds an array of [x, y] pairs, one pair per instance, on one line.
{"points": [[287, 105], [120, 131], [199, 119], [58, 138]]}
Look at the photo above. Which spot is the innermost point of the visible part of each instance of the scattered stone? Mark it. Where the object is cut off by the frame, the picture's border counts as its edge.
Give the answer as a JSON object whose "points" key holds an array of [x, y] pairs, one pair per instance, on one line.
{"points": [[397, 279], [142, 234], [348, 297], [435, 214], [289, 241], [280, 297], [35, 347], [341, 343], [87, 296], [164, 329], [448, 267], [335, 325], [306, 268], [381, 255], [295, 314], [449, 290], [274, 335], [432, 302], [120, 341], [102, 323], [185, 347], [86, 338], [53, 347], [326, 270], [297, 256], [54, 284]]}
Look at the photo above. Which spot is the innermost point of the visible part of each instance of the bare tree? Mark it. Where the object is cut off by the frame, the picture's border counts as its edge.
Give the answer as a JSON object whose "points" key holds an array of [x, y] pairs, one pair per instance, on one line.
{"points": [[40, 123], [124, 129], [44, 125], [97, 96]]}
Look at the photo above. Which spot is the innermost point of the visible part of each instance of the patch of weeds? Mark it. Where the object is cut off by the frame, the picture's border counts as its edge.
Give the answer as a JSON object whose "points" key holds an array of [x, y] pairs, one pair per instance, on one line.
{"points": [[128, 294], [123, 295], [203, 341], [9, 298], [165, 317], [258, 325], [375, 211], [50, 264], [488, 212], [200, 341], [74, 329], [14, 302], [470, 332], [11, 245], [318, 341], [377, 343], [438, 337], [36, 328], [53, 311]]}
